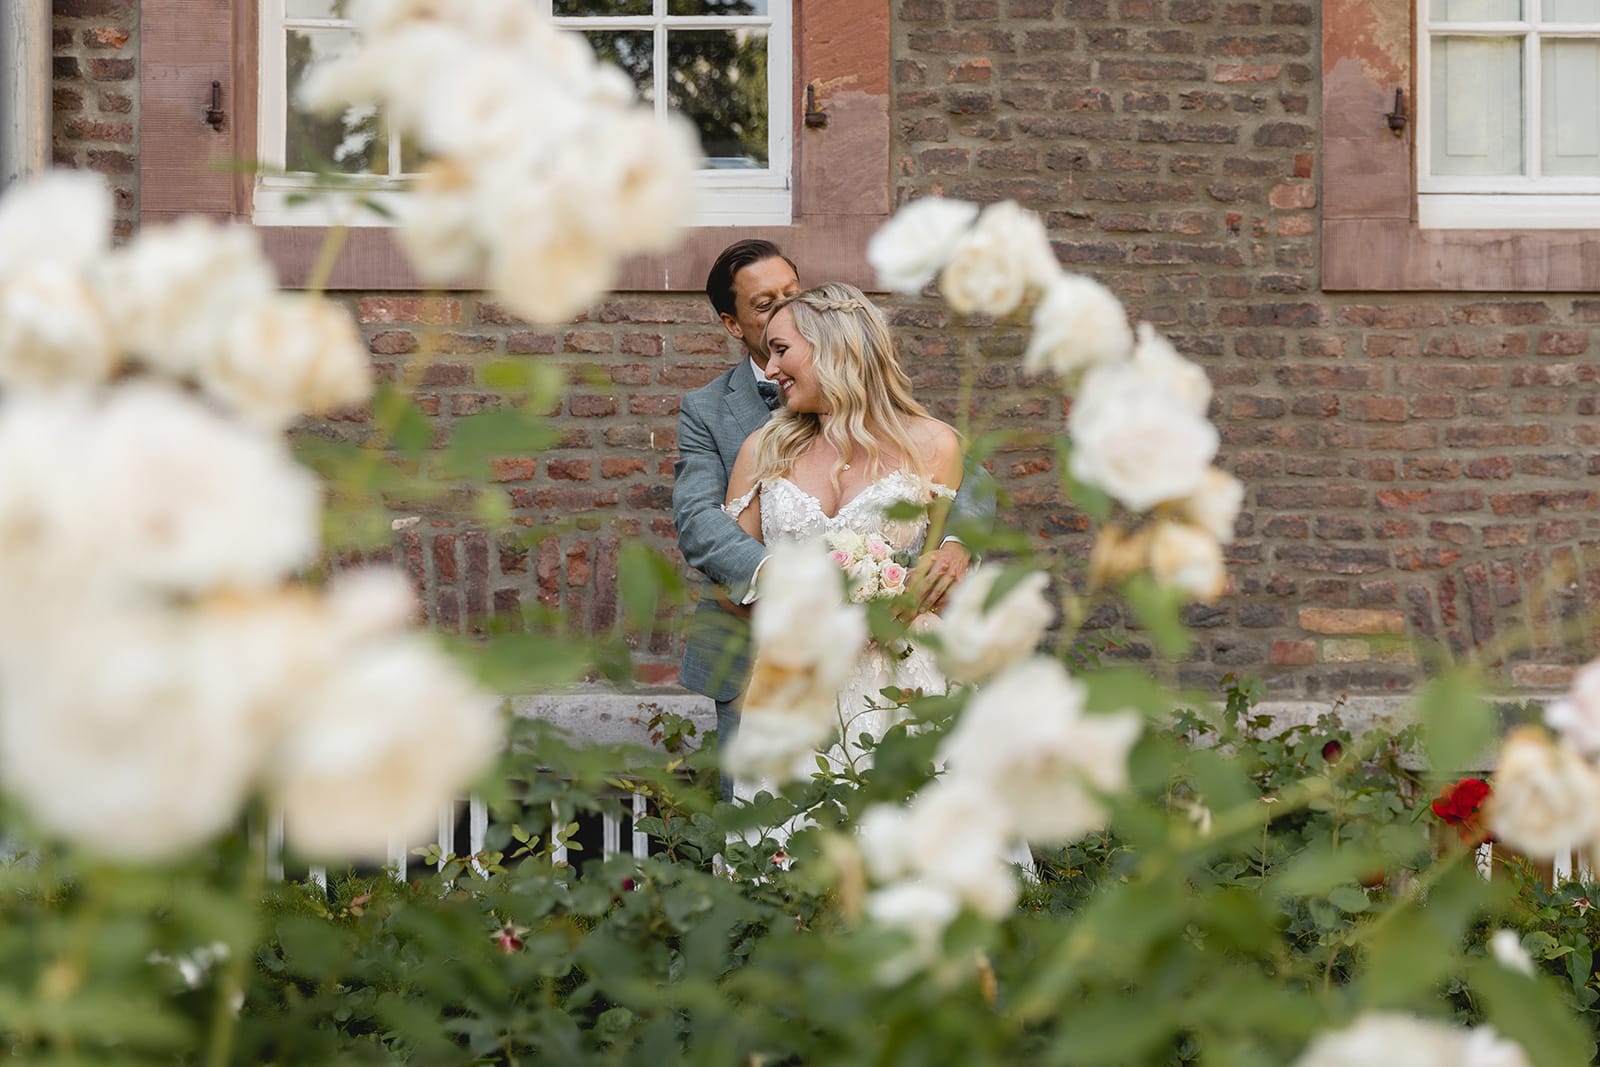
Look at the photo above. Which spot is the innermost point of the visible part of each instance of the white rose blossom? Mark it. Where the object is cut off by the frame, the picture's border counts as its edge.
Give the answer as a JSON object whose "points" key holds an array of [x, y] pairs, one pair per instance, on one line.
{"points": [[1187, 559], [977, 642], [376, 749], [1026, 736], [52, 331], [1078, 323], [286, 356], [189, 501], [910, 248], [920, 911], [1214, 506], [61, 217], [1139, 442], [1546, 797], [957, 832], [1160, 363], [1506, 948], [1005, 255], [173, 294], [1576, 716], [1392, 1037], [123, 734], [545, 171]]}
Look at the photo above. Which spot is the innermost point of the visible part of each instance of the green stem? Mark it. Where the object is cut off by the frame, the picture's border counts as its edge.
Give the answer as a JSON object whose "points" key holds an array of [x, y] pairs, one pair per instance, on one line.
{"points": [[231, 975]]}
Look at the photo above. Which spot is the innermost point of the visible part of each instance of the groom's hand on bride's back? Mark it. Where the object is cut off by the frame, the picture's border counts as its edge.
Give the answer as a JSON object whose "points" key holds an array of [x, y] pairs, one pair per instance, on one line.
{"points": [[937, 573]]}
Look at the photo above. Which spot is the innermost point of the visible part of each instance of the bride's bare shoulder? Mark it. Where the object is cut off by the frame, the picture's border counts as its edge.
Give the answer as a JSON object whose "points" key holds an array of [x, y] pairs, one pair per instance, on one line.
{"points": [[936, 438], [939, 443]]}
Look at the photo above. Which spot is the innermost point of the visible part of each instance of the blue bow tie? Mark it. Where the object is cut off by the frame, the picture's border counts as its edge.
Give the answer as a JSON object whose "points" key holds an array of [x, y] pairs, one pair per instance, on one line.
{"points": [[769, 393]]}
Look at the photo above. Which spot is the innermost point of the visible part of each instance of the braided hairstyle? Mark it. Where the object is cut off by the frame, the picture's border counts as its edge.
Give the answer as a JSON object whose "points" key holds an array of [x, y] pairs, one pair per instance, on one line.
{"points": [[868, 394]]}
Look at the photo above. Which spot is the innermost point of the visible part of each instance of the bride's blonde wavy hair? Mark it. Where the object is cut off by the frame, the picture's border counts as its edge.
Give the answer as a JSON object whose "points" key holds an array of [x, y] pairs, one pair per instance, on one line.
{"points": [[868, 394]]}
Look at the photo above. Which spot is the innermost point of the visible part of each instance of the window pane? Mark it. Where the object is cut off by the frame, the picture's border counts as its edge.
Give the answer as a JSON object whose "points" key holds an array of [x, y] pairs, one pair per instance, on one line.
{"points": [[718, 78], [352, 142], [317, 9], [579, 8], [633, 51], [1476, 106], [716, 7], [1572, 10], [1476, 10], [1571, 105]]}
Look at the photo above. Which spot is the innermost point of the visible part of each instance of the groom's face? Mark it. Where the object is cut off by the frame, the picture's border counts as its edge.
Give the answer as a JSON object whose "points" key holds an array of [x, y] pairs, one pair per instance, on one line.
{"points": [[757, 288]]}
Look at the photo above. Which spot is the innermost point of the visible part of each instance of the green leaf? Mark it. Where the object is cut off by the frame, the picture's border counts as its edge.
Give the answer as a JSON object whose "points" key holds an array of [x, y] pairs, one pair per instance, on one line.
{"points": [[1160, 612], [1348, 898], [1530, 1012], [1457, 726]]}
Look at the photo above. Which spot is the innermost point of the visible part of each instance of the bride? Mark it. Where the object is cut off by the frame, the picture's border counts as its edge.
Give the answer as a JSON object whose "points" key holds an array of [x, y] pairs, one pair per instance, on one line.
{"points": [[847, 445]]}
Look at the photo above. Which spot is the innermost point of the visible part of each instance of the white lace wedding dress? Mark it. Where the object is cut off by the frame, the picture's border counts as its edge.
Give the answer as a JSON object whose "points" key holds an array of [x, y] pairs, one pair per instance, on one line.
{"points": [[789, 513]]}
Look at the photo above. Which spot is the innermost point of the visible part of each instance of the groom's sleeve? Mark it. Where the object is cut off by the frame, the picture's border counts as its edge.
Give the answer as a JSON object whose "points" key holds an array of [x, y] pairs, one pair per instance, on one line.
{"points": [[973, 508], [709, 538]]}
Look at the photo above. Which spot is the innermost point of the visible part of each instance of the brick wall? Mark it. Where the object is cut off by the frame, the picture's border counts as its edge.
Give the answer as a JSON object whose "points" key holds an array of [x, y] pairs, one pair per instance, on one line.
{"points": [[1417, 465], [96, 91]]}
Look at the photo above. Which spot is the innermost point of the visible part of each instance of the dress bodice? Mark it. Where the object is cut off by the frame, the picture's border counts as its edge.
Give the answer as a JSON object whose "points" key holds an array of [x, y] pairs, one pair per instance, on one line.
{"points": [[789, 513]]}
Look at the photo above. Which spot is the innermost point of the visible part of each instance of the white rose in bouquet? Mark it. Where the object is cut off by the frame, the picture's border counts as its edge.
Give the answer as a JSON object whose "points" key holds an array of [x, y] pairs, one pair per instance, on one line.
{"points": [[911, 247], [1546, 798], [1079, 323], [976, 641], [998, 261]]}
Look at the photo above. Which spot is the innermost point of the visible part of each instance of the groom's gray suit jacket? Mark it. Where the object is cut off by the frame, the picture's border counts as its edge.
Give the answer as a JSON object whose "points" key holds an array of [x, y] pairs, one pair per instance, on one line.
{"points": [[713, 422]]}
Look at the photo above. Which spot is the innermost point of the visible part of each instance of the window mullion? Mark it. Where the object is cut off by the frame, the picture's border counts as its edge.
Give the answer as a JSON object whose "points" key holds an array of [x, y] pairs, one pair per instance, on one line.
{"points": [[1533, 96], [658, 68]]}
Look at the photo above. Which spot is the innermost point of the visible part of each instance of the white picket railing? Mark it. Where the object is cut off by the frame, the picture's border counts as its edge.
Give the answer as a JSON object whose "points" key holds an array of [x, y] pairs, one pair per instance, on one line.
{"points": [[400, 858]]}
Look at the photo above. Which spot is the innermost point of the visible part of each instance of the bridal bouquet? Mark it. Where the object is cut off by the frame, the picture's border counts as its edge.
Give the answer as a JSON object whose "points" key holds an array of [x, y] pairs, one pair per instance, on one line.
{"points": [[875, 569]]}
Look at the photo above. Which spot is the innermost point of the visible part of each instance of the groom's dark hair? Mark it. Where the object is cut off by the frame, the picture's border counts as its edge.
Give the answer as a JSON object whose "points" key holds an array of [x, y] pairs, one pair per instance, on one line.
{"points": [[734, 258]]}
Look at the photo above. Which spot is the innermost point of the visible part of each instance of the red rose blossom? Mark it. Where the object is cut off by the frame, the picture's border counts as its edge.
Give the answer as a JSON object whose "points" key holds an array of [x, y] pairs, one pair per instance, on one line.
{"points": [[1460, 804]]}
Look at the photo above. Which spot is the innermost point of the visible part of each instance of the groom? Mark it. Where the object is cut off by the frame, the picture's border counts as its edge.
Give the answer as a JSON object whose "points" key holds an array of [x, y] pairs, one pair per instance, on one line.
{"points": [[746, 282]]}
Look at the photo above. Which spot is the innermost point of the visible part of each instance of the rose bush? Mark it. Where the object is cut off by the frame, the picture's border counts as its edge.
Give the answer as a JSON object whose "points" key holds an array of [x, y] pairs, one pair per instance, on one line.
{"points": [[1202, 886]]}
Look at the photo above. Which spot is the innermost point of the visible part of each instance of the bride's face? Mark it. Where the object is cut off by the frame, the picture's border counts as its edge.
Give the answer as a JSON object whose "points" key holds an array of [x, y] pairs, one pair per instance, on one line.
{"points": [[789, 364]]}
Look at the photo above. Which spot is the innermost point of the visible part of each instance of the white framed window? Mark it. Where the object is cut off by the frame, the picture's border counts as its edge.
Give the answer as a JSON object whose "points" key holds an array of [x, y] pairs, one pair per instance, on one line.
{"points": [[1508, 121], [727, 65]]}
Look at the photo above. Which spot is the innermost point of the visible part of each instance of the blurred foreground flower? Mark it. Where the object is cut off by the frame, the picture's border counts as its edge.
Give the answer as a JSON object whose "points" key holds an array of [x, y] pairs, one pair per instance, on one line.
{"points": [[1138, 421], [979, 639], [1576, 716], [1388, 1037], [158, 663], [543, 173], [1546, 798], [806, 640]]}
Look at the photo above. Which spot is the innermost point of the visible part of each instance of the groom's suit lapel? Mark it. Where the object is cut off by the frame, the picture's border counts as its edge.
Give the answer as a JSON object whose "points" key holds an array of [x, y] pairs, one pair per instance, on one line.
{"points": [[746, 410]]}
